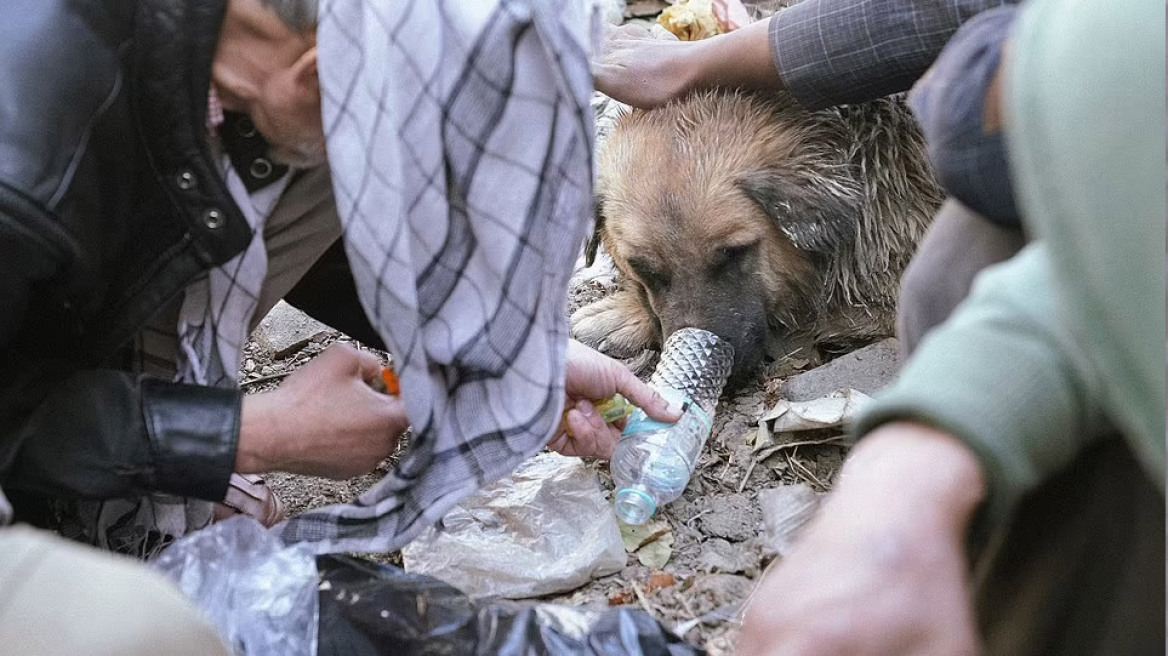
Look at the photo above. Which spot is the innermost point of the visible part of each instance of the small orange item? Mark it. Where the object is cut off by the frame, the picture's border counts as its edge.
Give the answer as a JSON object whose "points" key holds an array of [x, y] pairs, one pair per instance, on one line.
{"points": [[392, 384], [387, 383]]}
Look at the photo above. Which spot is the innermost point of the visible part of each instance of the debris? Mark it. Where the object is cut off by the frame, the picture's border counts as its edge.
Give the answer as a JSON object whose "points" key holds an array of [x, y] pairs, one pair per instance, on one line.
{"points": [[690, 20], [833, 411], [657, 553], [731, 15], [786, 509], [867, 370], [546, 528], [652, 542], [644, 8]]}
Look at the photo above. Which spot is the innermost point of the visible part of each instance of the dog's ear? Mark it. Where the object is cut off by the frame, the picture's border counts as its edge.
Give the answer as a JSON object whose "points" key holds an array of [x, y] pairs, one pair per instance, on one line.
{"points": [[593, 244], [818, 213]]}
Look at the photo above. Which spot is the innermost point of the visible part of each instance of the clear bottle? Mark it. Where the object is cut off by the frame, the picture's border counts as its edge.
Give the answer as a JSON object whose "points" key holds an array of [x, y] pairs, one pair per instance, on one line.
{"points": [[654, 461]]}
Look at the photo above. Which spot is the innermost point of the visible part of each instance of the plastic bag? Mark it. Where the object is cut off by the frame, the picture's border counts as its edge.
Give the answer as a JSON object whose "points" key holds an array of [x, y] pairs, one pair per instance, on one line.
{"points": [[545, 528], [259, 594], [368, 610]]}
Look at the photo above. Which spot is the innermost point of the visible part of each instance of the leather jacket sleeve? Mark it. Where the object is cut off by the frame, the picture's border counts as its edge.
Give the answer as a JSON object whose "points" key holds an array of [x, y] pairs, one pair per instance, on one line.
{"points": [[106, 433], [95, 433]]}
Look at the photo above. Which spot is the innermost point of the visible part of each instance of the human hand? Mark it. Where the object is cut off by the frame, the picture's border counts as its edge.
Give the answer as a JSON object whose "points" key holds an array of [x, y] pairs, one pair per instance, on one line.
{"points": [[641, 69], [594, 377], [882, 570], [324, 420]]}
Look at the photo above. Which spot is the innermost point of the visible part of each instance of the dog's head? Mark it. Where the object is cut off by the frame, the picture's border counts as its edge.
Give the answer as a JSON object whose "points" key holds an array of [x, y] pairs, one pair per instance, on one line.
{"points": [[723, 212]]}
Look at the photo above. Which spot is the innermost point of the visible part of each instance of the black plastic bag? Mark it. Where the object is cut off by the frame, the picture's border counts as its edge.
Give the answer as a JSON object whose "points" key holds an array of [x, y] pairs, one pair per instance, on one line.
{"points": [[368, 609]]}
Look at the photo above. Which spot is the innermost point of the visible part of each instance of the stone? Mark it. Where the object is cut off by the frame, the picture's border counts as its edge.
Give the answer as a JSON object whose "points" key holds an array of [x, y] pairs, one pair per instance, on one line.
{"points": [[286, 330], [730, 516], [867, 370], [718, 555]]}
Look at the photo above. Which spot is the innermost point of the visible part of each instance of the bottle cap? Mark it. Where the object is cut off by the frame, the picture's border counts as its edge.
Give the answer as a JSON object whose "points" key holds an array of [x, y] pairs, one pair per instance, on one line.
{"points": [[634, 506]]}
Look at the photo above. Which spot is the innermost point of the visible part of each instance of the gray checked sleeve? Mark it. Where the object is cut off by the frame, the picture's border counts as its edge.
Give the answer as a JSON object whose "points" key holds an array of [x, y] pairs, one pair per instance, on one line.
{"points": [[831, 52]]}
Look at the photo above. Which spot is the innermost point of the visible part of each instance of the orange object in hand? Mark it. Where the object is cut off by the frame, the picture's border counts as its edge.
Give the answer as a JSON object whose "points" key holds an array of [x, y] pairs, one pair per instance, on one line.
{"points": [[387, 383]]}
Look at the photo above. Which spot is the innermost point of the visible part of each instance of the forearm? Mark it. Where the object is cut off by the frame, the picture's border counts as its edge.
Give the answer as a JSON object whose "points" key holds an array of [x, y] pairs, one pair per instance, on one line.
{"points": [[999, 376], [738, 59], [831, 52], [106, 433]]}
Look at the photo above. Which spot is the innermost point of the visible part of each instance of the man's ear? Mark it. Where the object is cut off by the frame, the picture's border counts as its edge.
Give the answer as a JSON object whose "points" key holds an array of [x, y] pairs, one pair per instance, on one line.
{"points": [[304, 70], [818, 213]]}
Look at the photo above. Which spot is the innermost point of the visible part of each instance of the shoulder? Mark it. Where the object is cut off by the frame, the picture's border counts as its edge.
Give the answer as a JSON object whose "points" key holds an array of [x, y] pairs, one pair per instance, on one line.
{"points": [[59, 60]]}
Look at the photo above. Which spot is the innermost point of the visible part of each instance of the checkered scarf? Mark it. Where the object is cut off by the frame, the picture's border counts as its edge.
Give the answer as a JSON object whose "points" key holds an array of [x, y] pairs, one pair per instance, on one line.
{"points": [[460, 141]]}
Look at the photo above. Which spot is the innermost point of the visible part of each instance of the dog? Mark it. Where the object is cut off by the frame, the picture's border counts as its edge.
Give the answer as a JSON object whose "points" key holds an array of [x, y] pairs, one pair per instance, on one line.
{"points": [[764, 223]]}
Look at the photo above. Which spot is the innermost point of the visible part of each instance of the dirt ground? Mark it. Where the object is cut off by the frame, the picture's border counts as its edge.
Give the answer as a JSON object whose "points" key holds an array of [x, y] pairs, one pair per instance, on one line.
{"points": [[718, 550]]}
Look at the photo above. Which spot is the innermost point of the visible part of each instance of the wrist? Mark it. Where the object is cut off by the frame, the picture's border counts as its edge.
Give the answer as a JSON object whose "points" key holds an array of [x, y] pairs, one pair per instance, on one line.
{"points": [[913, 474], [256, 450]]}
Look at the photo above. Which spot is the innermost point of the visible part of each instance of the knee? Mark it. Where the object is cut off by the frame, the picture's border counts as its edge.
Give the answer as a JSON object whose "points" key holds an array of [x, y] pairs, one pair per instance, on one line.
{"points": [[63, 598]]}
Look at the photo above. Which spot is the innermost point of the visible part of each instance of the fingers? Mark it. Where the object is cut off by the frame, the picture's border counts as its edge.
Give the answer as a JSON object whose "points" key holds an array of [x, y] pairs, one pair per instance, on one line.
{"points": [[588, 436], [646, 398], [350, 360], [368, 365]]}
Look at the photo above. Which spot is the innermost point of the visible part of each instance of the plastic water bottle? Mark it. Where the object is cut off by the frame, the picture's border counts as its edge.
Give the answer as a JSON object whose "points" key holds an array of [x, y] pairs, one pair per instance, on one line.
{"points": [[654, 461]]}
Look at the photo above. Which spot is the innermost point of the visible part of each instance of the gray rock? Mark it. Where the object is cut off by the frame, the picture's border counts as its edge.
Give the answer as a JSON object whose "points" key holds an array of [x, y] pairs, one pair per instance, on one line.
{"points": [[718, 555], [730, 516], [867, 370], [286, 330]]}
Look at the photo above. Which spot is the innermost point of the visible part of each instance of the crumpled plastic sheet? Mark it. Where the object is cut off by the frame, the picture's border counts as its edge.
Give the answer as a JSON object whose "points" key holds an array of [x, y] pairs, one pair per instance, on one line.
{"points": [[546, 528], [374, 610], [258, 593]]}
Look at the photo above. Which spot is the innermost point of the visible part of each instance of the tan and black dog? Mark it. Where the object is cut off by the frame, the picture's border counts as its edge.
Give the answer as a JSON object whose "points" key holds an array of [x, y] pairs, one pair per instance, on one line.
{"points": [[759, 221]]}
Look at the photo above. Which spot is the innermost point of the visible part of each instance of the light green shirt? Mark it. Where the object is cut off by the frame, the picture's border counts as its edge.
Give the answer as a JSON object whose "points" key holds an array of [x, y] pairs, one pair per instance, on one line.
{"points": [[1064, 344]]}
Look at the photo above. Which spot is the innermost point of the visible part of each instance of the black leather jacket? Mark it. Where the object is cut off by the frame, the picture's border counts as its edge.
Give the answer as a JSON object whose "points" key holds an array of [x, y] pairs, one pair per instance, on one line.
{"points": [[109, 205]]}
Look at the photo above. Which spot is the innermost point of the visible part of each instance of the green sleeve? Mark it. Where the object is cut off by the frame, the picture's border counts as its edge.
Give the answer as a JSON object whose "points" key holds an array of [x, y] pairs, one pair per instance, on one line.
{"points": [[998, 376]]}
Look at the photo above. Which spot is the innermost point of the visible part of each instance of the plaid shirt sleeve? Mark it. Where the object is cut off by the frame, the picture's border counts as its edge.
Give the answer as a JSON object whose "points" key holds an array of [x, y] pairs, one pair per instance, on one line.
{"points": [[831, 52]]}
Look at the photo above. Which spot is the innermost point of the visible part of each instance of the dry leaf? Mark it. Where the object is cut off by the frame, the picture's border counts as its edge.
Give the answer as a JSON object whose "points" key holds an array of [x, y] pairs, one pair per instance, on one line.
{"points": [[655, 554]]}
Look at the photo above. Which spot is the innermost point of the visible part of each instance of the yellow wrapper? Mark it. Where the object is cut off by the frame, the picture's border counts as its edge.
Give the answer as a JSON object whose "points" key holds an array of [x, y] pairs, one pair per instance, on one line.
{"points": [[690, 20]]}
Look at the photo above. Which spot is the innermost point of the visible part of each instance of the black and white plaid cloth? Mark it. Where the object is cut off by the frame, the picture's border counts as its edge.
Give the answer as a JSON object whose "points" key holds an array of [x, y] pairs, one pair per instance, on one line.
{"points": [[460, 141]]}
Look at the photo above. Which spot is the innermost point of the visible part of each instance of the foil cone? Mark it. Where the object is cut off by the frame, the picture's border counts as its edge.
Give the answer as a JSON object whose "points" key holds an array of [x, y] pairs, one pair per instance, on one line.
{"points": [[696, 363]]}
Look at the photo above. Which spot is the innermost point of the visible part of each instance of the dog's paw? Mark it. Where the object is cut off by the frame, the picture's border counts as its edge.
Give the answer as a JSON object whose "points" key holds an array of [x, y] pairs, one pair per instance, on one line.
{"points": [[617, 325]]}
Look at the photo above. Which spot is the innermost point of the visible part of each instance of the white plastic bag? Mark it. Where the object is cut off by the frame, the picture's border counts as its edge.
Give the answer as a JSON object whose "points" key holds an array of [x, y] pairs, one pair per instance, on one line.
{"points": [[546, 528]]}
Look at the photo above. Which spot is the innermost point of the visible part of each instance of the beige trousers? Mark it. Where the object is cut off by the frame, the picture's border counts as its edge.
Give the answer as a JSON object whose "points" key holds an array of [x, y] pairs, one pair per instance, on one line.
{"points": [[58, 598]]}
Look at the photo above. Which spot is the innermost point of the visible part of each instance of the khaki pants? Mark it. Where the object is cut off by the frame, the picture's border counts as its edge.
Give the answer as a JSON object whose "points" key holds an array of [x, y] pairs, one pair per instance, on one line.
{"points": [[1080, 568], [60, 598]]}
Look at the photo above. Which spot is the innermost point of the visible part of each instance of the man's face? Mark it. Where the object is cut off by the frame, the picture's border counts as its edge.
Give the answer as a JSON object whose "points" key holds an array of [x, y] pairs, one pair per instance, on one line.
{"points": [[287, 113], [268, 71]]}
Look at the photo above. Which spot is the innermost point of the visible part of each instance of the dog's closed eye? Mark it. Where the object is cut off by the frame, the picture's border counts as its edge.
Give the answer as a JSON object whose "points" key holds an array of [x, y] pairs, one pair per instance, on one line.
{"points": [[651, 276], [730, 258]]}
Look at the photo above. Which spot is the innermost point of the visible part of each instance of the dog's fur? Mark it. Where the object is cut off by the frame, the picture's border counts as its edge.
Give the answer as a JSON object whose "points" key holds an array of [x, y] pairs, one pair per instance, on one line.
{"points": [[750, 217]]}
